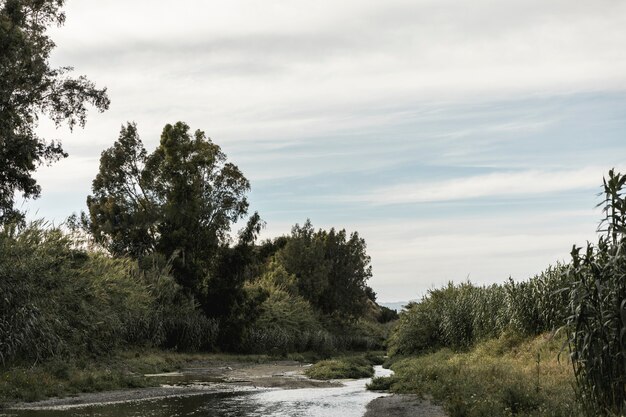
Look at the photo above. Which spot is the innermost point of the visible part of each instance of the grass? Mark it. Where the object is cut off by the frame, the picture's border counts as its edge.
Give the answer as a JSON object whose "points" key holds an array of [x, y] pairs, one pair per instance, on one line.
{"points": [[507, 376], [65, 378], [346, 367]]}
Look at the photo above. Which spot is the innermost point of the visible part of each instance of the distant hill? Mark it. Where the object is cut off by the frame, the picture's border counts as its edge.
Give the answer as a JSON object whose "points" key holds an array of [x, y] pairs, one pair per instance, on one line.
{"points": [[397, 305]]}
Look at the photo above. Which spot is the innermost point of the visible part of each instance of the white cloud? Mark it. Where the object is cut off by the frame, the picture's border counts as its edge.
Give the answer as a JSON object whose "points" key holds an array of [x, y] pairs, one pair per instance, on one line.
{"points": [[285, 69], [499, 184], [259, 76]]}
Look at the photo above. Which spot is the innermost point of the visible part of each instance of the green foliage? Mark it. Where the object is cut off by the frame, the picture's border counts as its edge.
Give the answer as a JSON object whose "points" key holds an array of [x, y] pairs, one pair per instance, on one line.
{"points": [[303, 256], [331, 269], [284, 320], [499, 377], [47, 301], [178, 201], [586, 298], [458, 316], [29, 87], [60, 378], [597, 324], [386, 315], [381, 383], [124, 208], [61, 302], [349, 367]]}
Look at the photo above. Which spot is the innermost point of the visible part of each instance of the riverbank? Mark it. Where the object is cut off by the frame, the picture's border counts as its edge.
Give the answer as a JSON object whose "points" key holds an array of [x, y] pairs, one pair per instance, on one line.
{"points": [[207, 375], [266, 382], [505, 376], [140, 373]]}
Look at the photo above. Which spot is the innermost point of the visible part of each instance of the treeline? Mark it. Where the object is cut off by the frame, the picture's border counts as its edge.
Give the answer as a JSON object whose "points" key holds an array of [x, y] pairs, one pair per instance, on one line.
{"points": [[62, 300], [154, 260], [584, 299], [153, 264]]}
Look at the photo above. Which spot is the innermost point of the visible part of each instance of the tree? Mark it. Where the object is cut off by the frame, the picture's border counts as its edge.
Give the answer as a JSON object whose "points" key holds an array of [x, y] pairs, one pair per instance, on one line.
{"points": [[178, 201], [29, 87], [349, 271], [304, 256], [331, 268], [124, 210]]}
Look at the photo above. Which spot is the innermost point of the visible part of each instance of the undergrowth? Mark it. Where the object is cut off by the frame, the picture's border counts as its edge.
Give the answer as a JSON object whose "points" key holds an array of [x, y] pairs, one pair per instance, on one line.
{"points": [[507, 376]]}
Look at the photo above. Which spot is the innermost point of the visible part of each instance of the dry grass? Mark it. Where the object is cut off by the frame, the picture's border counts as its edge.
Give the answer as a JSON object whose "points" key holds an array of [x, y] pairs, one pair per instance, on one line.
{"points": [[502, 377]]}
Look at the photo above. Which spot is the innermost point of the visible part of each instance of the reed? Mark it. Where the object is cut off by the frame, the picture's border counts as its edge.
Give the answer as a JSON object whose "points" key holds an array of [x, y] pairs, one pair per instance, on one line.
{"points": [[597, 321]]}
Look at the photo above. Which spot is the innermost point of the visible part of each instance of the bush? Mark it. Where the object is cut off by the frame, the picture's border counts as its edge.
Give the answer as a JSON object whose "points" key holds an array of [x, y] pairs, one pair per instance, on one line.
{"points": [[381, 383], [353, 367]]}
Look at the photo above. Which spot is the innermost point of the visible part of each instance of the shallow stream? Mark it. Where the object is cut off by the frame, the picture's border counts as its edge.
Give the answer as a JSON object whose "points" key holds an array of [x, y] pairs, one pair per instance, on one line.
{"points": [[348, 400]]}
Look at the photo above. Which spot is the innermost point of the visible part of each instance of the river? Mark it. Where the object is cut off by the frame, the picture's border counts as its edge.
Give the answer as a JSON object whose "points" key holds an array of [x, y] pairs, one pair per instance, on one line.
{"points": [[349, 400]]}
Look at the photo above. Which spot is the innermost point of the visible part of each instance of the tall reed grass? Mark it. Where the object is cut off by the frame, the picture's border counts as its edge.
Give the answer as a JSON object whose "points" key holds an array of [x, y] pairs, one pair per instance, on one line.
{"points": [[460, 315], [586, 299], [59, 301], [597, 321]]}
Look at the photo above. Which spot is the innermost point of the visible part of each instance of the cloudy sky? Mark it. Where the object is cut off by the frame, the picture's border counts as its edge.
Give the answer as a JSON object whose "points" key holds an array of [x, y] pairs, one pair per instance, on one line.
{"points": [[459, 138]]}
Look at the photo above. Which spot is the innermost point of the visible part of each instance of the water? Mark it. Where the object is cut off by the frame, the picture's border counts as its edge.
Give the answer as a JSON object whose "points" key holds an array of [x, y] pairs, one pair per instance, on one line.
{"points": [[349, 400]]}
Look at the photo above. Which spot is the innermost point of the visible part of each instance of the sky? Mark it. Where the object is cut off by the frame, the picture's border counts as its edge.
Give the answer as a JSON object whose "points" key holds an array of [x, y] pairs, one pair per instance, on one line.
{"points": [[461, 139]]}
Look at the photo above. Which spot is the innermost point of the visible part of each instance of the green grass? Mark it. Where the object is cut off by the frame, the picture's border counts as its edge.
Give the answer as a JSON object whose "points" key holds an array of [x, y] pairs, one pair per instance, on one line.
{"points": [[345, 367], [65, 378], [501, 377]]}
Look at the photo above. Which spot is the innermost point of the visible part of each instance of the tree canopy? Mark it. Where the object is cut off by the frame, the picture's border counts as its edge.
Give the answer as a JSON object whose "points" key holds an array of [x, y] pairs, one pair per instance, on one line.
{"points": [[178, 201], [29, 87], [331, 267]]}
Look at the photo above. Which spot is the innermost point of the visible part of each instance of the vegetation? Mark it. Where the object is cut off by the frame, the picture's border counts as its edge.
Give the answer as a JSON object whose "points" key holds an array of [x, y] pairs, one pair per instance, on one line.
{"points": [[584, 300], [154, 265], [458, 316], [597, 324], [29, 87], [354, 366], [59, 301], [505, 376], [71, 295], [122, 369]]}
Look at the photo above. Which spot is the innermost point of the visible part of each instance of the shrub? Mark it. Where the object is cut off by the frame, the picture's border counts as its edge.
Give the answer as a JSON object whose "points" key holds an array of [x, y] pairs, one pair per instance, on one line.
{"points": [[348, 367]]}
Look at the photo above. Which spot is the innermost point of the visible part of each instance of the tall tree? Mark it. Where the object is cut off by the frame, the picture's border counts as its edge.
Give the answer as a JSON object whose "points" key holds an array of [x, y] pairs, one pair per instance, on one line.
{"points": [[331, 268], [29, 87], [179, 201], [124, 208], [346, 293], [304, 255]]}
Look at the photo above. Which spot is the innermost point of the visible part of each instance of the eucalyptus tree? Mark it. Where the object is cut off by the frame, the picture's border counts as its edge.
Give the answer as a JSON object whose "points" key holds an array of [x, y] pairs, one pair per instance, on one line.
{"points": [[178, 201], [29, 88]]}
